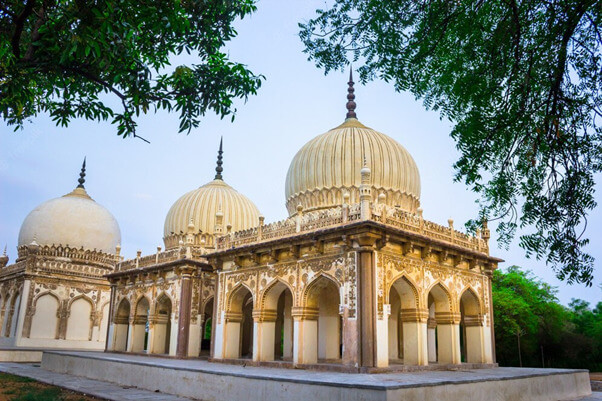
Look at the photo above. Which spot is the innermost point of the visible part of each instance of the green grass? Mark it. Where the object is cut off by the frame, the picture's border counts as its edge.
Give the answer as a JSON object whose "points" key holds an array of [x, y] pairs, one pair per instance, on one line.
{"points": [[34, 394], [5, 377]]}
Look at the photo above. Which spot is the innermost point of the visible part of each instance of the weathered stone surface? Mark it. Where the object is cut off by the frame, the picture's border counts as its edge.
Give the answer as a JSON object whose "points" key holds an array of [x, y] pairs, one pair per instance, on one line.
{"points": [[201, 379]]}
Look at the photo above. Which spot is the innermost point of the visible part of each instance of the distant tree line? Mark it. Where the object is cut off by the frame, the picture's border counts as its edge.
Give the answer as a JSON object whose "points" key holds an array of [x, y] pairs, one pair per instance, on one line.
{"points": [[533, 329]]}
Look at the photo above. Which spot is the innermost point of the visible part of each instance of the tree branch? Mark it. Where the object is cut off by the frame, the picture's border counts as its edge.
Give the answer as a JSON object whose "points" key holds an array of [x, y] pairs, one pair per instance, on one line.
{"points": [[19, 26]]}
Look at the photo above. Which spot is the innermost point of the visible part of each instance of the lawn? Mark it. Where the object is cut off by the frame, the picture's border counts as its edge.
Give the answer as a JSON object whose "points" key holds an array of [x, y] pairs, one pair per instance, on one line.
{"points": [[17, 388]]}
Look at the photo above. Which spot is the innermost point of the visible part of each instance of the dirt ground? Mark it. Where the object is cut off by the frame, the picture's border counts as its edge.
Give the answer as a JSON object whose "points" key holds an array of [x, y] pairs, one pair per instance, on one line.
{"points": [[17, 388]]}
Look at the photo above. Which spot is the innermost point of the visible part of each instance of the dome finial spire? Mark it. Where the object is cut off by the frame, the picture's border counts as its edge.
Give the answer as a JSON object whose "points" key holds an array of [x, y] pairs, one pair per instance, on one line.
{"points": [[219, 168], [82, 175], [351, 96]]}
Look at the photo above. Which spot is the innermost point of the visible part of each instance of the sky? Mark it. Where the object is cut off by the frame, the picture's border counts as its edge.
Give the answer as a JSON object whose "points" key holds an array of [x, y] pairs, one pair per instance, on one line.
{"points": [[138, 182]]}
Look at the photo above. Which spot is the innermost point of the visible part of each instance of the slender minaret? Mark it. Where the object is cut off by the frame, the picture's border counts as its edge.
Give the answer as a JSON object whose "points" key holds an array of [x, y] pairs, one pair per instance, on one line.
{"points": [[219, 169], [82, 175], [351, 97], [365, 192]]}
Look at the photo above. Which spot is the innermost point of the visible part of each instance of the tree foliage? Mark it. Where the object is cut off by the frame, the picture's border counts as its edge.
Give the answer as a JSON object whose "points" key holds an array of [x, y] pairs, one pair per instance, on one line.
{"points": [[551, 335], [522, 82], [61, 56]]}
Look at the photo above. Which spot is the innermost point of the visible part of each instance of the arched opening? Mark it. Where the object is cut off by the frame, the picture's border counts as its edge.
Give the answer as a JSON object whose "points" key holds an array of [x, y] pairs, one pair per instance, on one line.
{"points": [[432, 331], [447, 326], [276, 333], [45, 321], [3, 312], [246, 343], [15, 309], [471, 329], [162, 326], [207, 327], [323, 299], [79, 324], [238, 335], [140, 326], [406, 325], [104, 321], [121, 324]]}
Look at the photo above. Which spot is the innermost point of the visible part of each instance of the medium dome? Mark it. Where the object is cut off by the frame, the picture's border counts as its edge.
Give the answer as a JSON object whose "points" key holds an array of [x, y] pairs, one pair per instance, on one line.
{"points": [[329, 165], [201, 206], [75, 220]]}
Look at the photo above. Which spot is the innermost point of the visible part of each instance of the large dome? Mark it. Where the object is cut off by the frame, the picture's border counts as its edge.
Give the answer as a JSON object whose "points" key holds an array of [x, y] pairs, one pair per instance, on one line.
{"points": [[75, 220], [329, 165], [201, 206]]}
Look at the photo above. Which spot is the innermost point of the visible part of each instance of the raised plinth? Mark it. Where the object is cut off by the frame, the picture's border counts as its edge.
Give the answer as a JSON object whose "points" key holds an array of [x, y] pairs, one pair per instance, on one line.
{"points": [[210, 381], [14, 354]]}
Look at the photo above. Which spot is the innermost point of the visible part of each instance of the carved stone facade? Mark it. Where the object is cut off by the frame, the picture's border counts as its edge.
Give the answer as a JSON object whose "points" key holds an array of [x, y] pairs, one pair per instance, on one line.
{"points": [[55, 297], [151, 303]]}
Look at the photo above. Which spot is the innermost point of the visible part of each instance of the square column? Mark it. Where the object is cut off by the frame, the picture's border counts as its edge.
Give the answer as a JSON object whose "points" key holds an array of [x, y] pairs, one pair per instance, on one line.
{"points": [[305, 335], [448, 337], [415, 341], [432, 339], [264, 334], [231, 335], [476, 340]]}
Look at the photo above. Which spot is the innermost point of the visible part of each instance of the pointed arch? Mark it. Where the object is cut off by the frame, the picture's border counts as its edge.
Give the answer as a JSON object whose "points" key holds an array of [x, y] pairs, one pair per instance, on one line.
{"points": [[87, 298], [121, 320], [44, 322], [236, 296], [441, 297], [470, 302], [406, 289], [79, 323], [269, 296], [315, 286]]}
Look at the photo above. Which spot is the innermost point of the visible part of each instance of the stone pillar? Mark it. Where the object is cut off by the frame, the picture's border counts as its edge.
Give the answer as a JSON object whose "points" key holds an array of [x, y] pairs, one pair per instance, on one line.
{"points": [[415, 340], [130, 334], [231, 335], [196, 336], [448, 337], [184, 318], [367, 307], [476, 343], [350, 337], [491, 325], [305, 335], [264, 334], [109, 338], [152, 333], [432, 339]]}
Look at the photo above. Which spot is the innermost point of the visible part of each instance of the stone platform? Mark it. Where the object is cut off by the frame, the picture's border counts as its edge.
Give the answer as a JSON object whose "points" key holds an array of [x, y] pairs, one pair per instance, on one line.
{"points": [[14, 354], [209, 381]]}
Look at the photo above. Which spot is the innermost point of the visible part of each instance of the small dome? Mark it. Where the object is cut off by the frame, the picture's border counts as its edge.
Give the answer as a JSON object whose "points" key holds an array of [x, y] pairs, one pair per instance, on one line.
{"points": [[75, 220], [202, 204], [330, 165]]}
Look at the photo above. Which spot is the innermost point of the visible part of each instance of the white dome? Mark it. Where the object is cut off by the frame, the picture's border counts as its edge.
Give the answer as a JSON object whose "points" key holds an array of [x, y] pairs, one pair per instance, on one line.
{"points": [[75, 220]]}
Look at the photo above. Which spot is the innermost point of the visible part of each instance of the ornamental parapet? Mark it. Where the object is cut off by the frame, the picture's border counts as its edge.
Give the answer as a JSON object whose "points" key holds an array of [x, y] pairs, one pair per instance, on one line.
{"points": [[160, 257], [12, 269], [59, 251], [347, 214]]}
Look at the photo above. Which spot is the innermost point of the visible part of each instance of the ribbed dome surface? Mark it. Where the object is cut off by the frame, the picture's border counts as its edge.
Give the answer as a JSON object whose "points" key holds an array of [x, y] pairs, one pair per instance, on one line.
{"points": [[202, 204], [75, 220], [329, 165]]}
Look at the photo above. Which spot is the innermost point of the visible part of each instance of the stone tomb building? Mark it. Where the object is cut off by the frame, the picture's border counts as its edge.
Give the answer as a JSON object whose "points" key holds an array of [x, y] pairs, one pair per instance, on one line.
{"points": [[354, 278], [56, 295]]}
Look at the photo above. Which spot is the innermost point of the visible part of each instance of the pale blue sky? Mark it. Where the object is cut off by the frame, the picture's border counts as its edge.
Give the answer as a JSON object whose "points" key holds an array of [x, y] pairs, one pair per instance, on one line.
{"points": [[138, 182]]}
